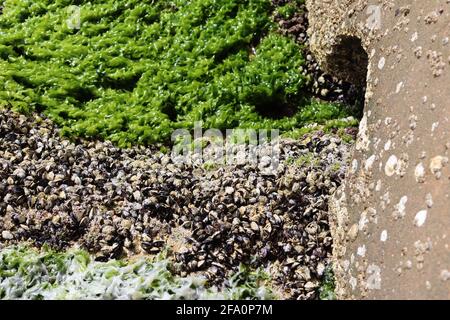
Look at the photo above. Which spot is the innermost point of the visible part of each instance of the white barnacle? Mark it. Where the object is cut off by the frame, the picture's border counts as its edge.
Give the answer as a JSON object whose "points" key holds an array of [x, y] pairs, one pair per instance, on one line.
{"points": [[445, 275], [381, 63], [363, 221], [383, 236], [361, 251], [429, 200], [420, 218], [419, 173], [399, 87], [354, 167], [391, 166], [385, 200], [400, 208], [387, 145], [434, 126], [378, 186], [436, 165], [346, 264], [353, 282], [363, 141], [369, 162], [373, 277]]}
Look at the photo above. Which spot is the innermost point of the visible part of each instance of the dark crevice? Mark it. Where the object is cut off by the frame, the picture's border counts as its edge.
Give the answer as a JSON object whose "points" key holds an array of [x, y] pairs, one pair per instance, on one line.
{"points": [[273, 108], [126, 84], [349, 61], [82, 95], [24, 81], [170, 110]]}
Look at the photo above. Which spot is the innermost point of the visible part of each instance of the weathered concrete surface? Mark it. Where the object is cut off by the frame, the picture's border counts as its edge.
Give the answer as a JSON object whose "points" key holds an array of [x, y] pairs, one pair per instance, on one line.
{"points": [[391, 219]]}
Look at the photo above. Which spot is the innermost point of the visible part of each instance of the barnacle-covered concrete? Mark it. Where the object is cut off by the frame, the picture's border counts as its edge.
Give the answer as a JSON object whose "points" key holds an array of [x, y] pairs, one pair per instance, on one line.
{"points": [[391, 218]]}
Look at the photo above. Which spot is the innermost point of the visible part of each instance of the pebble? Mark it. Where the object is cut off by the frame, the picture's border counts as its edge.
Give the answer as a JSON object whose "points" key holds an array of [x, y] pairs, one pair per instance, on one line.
{"points": [[7, 235], [254, 226], [20, 173], [229, 190]]}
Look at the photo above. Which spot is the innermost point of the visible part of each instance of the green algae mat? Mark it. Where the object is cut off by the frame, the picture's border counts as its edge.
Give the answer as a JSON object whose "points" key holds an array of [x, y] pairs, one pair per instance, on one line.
{"points": [[133, 71]]}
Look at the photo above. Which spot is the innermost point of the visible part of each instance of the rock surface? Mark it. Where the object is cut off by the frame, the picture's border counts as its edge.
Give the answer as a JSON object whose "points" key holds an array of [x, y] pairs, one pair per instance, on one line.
{"points": [[391, 218]]}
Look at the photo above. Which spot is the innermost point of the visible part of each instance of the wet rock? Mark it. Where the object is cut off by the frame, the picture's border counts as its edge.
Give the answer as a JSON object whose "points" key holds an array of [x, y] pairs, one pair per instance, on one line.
{"points": [[395, 196]]}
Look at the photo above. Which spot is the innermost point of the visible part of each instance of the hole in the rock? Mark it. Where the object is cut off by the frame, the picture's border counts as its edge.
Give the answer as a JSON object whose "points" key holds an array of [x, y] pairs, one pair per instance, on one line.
{"points": [[349, 61]]}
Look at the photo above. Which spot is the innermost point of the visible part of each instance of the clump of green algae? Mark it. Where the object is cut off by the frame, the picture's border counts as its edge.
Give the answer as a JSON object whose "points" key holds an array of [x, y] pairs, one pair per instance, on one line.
{"points": [[328, 286], [136, 70]]}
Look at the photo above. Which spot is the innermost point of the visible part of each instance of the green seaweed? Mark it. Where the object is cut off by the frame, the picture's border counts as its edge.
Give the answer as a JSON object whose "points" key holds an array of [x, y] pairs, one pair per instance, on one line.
{"points": [[137, 70], [288, 10], [327, 288]]}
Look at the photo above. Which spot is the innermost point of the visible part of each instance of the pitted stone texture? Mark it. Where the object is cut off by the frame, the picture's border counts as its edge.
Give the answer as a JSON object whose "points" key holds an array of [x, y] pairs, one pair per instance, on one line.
{"points": [[391, 219]]}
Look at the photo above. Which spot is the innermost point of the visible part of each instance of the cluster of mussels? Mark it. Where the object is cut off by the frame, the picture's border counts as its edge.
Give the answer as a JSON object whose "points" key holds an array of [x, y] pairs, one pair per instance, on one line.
{"points": [[120, 202]]}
